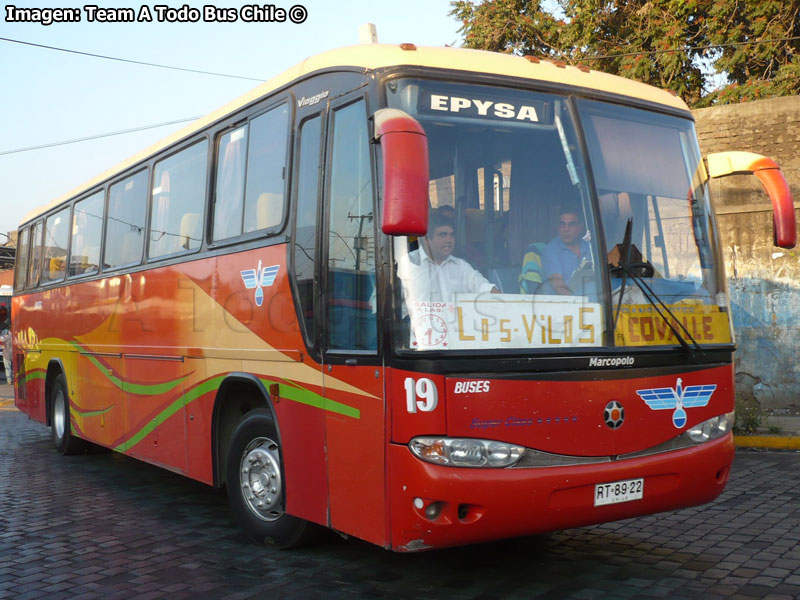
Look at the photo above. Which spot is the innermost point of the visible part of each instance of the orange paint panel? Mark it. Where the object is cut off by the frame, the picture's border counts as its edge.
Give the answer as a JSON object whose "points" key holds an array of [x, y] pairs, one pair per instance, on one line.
{"points": [[275, 320], [357, 456], [35, 399], [165, 445], [98, 408], [199, 416], [302, 431]]}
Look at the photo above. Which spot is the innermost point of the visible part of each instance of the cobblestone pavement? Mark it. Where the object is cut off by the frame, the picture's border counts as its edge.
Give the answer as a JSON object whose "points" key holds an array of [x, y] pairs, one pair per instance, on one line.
{"points": [[106, 526]]}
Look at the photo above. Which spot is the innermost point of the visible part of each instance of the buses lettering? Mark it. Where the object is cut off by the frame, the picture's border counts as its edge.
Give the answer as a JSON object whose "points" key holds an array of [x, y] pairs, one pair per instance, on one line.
{"points": [[471, 387]]}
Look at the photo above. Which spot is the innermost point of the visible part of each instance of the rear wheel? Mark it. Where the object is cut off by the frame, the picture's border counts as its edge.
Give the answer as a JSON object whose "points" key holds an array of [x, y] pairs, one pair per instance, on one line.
{"points": [[257, 486], [60, 427]]}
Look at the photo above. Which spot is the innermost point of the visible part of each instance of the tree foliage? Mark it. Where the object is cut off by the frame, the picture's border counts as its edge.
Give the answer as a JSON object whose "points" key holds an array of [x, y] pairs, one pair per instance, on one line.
{"points": [[672, 44], [757, 70]]}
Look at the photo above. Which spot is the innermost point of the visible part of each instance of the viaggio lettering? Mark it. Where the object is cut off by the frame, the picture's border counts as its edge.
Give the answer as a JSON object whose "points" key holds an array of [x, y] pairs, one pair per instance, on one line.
{"points": [[313, 99]]}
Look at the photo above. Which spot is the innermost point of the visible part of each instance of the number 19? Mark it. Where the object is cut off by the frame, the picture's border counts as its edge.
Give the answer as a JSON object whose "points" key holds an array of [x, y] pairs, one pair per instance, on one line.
{"points": [[425, 390]]}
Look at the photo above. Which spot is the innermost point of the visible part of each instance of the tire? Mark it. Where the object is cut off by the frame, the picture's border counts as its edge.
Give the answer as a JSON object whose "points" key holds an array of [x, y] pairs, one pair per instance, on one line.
{"points": [[60, 427], [257, 485]]}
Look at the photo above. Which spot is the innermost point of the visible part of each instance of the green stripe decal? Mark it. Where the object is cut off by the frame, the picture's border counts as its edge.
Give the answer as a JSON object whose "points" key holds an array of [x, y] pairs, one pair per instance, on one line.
{"points": [[35, 375], [134, 388], [295, 394], [304, 396], [180, 402], [91, 413]]}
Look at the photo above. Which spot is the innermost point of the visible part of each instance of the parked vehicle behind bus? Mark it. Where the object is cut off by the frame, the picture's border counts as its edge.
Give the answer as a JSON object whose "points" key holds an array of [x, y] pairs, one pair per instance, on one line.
{"points": [[258, 302]]}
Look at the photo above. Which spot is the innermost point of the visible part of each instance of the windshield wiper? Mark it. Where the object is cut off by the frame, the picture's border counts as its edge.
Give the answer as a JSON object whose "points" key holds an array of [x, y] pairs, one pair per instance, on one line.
{"points": [[628, 271], [625, 257]]}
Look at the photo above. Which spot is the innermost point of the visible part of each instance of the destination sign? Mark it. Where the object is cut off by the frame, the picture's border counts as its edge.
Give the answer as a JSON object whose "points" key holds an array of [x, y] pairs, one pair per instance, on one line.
{"points": [[641, 325], [482, 321]]}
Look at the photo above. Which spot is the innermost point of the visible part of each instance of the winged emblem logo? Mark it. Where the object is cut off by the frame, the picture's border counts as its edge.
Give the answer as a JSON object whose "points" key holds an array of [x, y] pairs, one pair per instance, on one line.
{"points": [[679, 398], [259, 278]]}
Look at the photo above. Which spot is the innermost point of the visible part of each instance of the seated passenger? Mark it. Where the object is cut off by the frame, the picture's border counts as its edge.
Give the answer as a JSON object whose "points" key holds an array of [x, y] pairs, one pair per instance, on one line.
{"points": [[432, 274], [530, 279], [567, 253]]}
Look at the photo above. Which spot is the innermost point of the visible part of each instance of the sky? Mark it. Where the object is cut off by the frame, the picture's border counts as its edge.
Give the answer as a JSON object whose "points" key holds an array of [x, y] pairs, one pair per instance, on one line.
{"points": [[47, 96]]}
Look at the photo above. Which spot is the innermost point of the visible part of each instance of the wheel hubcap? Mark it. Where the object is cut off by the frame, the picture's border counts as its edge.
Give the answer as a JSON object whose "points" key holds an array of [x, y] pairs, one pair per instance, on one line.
{"points": [[260, 479], [59, 415]]}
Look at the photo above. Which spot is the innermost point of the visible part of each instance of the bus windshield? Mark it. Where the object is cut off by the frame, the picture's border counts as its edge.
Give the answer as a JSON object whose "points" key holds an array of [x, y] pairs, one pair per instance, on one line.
{"points": [[517, 258], [646, 167]]}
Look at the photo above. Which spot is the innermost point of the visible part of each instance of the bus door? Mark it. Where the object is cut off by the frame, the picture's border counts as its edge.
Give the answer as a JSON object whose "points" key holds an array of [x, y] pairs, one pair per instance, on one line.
{"points": [[352, 371], [98, 411], [155, 368], [31, 363]]}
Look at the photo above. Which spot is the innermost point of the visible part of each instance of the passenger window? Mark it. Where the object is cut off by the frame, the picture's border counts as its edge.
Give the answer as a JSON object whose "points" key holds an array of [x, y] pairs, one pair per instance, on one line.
{"points": [[266, 161], [176, 209], [22, 260], [56, 235], [125, 224], [351, 240], [36, 255], [87, 228], [305, 238], [250, 182], [229, 190]]}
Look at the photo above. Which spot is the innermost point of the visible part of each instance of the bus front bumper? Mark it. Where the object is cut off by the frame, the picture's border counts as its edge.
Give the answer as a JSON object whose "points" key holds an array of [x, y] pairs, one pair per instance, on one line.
{"points": [[432, 506]]}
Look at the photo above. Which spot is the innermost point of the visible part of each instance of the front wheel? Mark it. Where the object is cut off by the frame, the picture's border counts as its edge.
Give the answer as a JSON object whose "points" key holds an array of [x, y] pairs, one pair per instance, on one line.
{"points": [[60, 427], [257, 486]]}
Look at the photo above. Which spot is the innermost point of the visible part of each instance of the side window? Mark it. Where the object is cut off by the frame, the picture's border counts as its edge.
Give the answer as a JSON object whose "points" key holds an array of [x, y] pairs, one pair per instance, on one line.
{"points": [[266, 162], [125, 229], [351, 238], [34, 265], [56, 236], [305, 236], [179, 191], [250, 178], [87, 229], [229, 189], [21, 265]]}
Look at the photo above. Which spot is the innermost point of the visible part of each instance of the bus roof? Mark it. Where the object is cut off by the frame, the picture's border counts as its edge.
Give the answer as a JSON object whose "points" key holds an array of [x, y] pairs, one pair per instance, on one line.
{"points": [[376, 56]]}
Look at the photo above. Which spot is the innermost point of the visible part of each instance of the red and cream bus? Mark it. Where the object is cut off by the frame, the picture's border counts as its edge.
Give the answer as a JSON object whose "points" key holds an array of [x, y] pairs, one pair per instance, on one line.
{"points": [[254, 301]]}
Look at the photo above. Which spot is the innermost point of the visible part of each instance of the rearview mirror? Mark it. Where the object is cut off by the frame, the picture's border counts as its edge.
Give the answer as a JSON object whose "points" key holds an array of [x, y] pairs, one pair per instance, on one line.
{"points": [[769, 174], [405, 172]]}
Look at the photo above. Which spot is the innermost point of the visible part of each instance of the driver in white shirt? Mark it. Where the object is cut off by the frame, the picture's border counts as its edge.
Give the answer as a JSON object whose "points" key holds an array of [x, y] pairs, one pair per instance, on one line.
{"points": [[432, 274]]}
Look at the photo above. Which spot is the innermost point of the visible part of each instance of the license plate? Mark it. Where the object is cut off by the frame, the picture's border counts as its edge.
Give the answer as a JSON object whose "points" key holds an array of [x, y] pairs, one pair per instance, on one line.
{"points": [[618, 491]]}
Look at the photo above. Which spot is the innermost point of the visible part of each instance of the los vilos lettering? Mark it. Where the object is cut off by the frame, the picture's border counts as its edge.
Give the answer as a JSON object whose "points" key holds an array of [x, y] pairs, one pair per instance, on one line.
{"points": [[485, 108]]}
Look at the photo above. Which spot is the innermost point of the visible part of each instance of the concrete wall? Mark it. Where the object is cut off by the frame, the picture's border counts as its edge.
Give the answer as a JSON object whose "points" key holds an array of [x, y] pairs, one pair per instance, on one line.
{"points": [[763, 281]]}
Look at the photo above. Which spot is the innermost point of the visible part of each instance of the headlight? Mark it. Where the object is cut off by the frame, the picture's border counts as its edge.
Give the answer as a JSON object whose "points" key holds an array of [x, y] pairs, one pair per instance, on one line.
{"points": [[711, 429], [466, 452]]}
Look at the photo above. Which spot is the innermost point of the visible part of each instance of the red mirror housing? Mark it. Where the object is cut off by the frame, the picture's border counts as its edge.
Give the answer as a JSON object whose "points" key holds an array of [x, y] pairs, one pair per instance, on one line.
{"points": [[769, 174], [777, 188], [405, 172]]}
